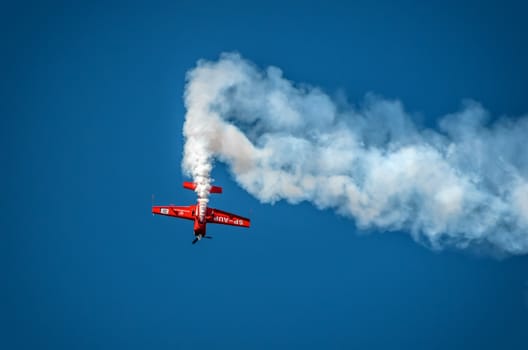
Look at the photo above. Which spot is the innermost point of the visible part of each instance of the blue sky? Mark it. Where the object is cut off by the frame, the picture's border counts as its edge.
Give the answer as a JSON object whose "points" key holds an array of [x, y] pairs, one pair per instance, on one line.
{"points": [[91, 126]]}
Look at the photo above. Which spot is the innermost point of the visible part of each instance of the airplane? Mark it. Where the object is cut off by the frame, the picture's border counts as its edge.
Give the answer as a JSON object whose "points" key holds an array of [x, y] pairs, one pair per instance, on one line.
{"points": [[201, 214]]}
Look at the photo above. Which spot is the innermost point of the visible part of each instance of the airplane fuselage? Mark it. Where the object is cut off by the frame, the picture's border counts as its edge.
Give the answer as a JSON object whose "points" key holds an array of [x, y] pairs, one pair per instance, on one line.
{"points": [[201, 215], [199, 225]]}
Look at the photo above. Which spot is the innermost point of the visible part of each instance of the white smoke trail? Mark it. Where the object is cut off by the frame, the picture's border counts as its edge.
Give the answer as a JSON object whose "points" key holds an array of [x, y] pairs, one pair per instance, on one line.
{"points": [[463, 185], [198, 153]]}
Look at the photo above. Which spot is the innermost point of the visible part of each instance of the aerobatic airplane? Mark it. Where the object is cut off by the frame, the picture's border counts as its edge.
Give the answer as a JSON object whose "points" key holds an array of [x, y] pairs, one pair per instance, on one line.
{"points": [[201, 214]]}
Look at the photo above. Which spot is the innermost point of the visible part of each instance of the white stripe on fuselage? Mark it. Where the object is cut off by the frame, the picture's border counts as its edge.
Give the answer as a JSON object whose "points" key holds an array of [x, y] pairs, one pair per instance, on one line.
{"points": [[202, 208]]}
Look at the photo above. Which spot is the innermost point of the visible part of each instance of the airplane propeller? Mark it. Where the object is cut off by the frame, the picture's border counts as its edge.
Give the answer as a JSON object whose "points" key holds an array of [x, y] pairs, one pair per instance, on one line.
{"points": [[197, 239]]}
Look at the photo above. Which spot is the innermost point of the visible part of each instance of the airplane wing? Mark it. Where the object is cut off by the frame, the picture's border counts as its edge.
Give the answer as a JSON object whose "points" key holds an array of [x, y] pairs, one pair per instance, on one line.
{"points": [[223, 217], [175, 211]]}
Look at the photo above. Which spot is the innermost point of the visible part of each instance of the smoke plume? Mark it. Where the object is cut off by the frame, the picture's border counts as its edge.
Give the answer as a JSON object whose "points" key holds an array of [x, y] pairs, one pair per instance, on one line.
{"points": [[462, 185]]}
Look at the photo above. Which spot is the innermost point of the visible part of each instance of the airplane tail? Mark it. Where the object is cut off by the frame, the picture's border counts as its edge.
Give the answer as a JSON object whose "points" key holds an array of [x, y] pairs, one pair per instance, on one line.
{"points": [[192, 186]]}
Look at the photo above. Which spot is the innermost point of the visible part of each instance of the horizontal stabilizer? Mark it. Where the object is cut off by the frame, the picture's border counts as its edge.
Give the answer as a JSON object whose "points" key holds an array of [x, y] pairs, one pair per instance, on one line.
{"points": [[192, 186], [215, 189]]}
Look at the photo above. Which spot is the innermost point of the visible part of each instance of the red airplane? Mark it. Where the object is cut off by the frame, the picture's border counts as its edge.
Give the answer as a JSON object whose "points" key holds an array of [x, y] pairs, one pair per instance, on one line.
{"points": [[201, 214]]}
